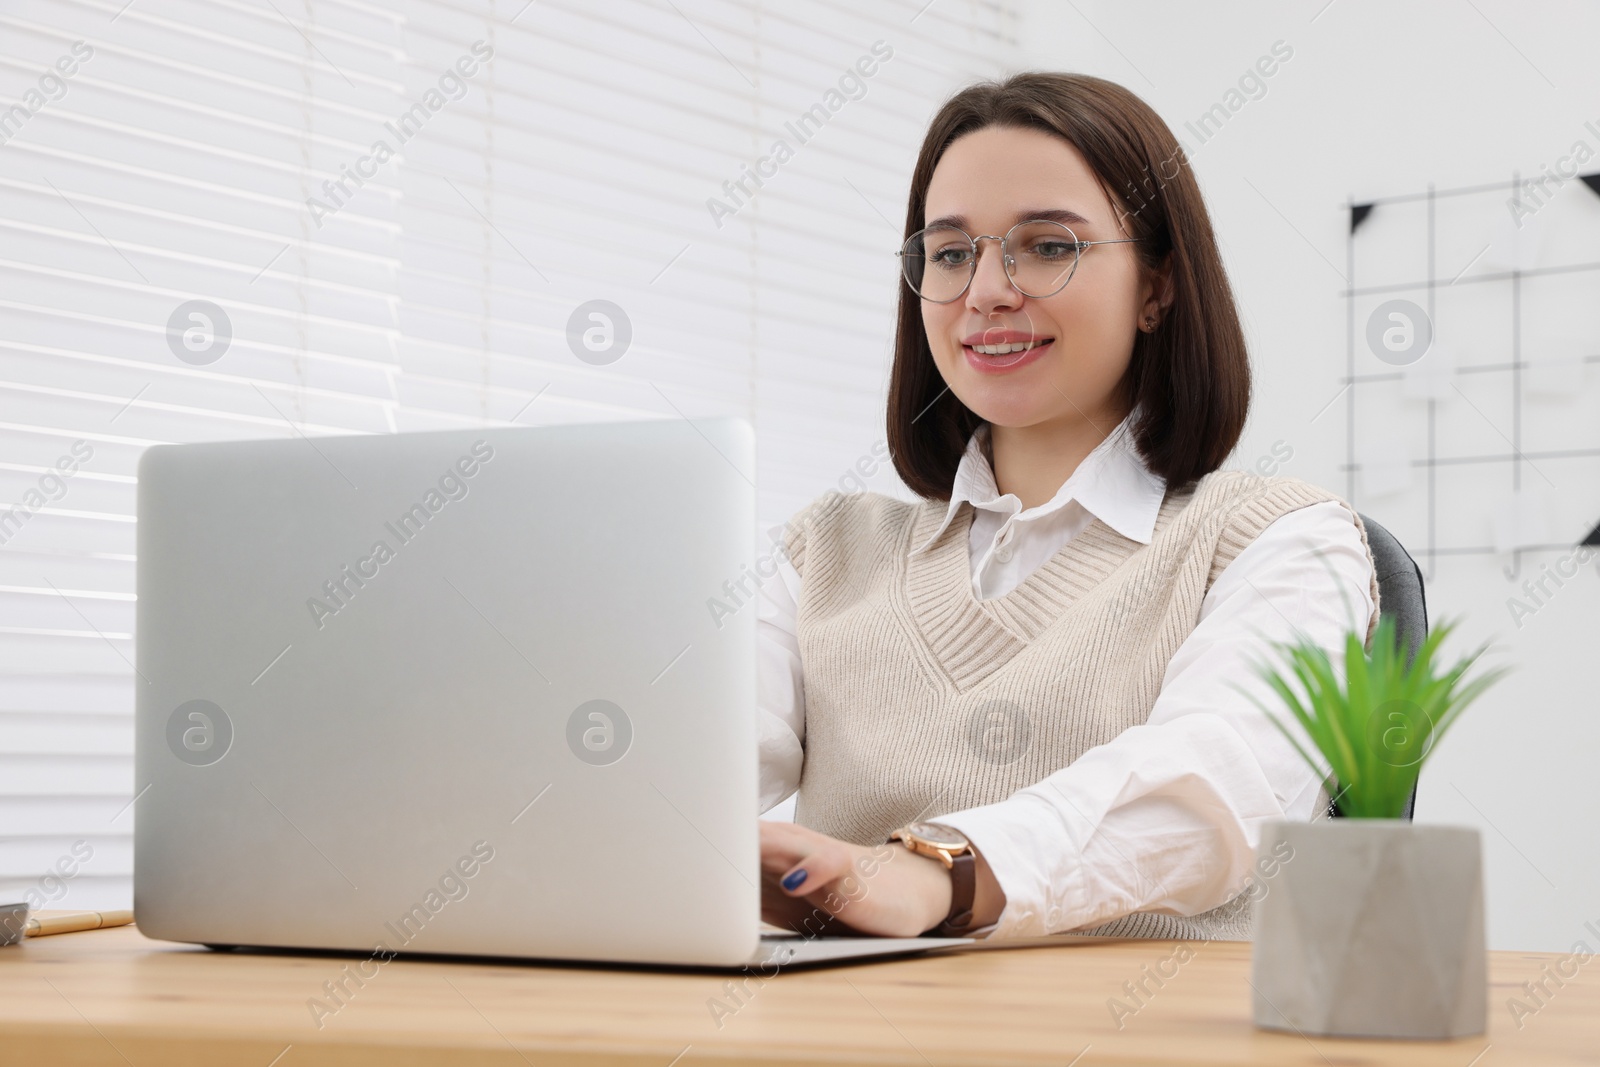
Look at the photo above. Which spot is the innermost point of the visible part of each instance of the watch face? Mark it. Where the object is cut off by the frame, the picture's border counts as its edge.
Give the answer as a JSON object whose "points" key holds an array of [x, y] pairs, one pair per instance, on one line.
{"points": [[938, 835]]}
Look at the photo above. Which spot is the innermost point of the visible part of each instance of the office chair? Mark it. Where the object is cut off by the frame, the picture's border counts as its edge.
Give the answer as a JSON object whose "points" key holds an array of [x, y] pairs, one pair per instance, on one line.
{"points": [[1400, 595]]}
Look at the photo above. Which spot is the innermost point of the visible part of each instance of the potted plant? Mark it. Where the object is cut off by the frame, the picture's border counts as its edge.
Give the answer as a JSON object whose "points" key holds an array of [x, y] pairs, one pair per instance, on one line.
{"points": [[1374, 926]]}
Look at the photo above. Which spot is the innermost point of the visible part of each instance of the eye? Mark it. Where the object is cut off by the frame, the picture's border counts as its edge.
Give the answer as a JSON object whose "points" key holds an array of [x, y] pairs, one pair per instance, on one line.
{"points": [[950, 255], [1054, 249]]}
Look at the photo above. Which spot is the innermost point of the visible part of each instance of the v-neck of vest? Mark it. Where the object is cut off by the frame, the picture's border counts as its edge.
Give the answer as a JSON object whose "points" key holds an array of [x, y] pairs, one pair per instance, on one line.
{"points": [[973, 638]]}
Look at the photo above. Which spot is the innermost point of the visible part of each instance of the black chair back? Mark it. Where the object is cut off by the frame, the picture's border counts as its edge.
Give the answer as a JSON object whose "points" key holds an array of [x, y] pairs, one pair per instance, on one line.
{"points": [[1400, 596]]}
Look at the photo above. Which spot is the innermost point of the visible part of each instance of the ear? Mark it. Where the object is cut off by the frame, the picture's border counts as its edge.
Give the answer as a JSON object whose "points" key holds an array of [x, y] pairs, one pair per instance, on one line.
{"points": [[1158, 291]]}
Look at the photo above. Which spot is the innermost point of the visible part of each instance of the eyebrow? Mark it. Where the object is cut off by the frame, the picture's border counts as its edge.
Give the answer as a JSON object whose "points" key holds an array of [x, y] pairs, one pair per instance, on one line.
{"points": [[1060, 215]]}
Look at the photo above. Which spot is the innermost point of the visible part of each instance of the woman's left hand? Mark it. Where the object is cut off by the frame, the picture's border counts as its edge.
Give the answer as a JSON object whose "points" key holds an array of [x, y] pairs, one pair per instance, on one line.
{"points": [[886, 890]]}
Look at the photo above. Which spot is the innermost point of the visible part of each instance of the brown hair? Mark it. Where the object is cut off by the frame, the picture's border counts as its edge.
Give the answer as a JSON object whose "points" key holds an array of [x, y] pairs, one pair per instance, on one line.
{"points": [[1190, 378]]}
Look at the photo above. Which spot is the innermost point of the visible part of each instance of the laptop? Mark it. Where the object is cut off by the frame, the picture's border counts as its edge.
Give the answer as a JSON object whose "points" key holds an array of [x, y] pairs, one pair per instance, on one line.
{"points": [[464, 692]]}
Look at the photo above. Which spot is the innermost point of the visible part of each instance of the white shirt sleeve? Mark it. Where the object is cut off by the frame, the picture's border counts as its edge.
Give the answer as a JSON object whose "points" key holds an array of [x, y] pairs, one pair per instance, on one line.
{"points": [[780, 698], [1166, 816]]}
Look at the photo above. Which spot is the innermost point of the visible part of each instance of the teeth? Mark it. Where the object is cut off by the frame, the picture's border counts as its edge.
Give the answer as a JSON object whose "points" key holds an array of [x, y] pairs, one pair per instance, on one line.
{"points": [[1005, 350]]}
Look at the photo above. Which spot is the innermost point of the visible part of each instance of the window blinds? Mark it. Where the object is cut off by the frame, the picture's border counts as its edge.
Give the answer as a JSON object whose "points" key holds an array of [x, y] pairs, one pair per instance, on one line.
{"points": [[226, 219]]}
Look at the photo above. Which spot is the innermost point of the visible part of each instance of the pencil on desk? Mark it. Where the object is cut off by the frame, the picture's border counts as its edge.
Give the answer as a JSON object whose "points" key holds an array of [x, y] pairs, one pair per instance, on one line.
{"points": [[72, 921]]}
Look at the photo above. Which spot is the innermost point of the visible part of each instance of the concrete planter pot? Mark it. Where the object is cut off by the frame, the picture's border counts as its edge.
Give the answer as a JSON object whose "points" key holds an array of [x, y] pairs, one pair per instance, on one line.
{"points": [[1371, 928]]}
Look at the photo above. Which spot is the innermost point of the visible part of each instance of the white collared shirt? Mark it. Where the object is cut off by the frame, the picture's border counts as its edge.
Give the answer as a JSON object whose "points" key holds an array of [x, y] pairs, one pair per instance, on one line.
{"points": [[1007, 543], [1165, 816]]}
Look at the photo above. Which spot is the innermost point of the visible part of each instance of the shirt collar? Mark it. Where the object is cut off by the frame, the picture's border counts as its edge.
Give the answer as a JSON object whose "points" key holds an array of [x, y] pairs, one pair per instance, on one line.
{"points": [[1112, 484]]}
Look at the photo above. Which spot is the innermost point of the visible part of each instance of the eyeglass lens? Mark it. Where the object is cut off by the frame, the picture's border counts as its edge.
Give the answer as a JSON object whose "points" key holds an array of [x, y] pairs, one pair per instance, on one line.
{"points": [[1039, 257]]}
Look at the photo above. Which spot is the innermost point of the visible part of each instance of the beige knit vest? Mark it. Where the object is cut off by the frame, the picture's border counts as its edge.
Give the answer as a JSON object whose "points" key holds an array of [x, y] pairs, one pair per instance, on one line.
{"points": [[907, 674]]}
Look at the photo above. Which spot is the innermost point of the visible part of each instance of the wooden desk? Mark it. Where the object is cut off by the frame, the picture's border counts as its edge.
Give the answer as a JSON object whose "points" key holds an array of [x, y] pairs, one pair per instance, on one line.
{"points": [[116, 997]]}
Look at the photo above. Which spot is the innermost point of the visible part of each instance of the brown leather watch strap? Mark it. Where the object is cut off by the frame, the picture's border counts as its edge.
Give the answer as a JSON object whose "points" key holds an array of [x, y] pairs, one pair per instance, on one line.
{"points": [[963, 888]]}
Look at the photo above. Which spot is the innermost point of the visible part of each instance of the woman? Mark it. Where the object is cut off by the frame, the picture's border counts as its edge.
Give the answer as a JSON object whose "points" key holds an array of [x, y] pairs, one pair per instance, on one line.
{"points": [[1039, 658]]}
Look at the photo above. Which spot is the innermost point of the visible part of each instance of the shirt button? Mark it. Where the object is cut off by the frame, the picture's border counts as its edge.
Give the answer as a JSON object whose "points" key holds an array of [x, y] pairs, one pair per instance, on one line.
{"points": [[1053, 920], [1004, 554]]}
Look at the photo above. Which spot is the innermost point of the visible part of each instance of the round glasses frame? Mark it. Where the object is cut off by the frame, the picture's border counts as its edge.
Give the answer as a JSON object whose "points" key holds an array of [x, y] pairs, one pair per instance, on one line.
{"points": [[1008, 261]]}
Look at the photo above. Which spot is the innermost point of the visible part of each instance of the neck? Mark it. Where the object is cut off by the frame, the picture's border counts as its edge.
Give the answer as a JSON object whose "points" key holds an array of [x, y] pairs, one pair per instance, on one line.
{"points": [[1032, 462]]}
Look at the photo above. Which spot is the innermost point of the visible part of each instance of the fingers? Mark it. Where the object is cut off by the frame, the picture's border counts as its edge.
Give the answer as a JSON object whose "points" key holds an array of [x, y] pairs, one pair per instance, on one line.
{"points": [[783, 845], [816, 869], [814, 884], [801, 860]]}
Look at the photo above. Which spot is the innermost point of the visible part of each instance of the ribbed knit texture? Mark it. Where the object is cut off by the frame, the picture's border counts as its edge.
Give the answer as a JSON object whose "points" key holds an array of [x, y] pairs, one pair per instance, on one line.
{"points": [[904, 669]]}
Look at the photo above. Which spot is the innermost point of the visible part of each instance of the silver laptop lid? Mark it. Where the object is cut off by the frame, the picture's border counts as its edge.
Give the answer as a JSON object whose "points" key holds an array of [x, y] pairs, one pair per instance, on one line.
{"points": [[459, 691]]}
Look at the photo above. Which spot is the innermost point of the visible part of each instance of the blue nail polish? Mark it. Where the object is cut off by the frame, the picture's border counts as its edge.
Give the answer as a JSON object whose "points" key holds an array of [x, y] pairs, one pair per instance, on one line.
{"points": [[795, 881]]}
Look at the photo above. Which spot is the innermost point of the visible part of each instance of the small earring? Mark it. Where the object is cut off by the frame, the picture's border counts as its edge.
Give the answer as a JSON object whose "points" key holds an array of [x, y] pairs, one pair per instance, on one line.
{"points": [[1149, 323]]}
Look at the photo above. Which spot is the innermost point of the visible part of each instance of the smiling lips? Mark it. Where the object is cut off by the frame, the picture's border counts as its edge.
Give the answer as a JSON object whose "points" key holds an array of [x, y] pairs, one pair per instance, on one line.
{"points": [[994, 351]]}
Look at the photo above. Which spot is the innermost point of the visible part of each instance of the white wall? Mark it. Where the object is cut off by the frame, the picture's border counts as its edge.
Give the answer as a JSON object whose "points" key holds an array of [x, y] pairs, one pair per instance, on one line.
{"points": [[1381, 99]]}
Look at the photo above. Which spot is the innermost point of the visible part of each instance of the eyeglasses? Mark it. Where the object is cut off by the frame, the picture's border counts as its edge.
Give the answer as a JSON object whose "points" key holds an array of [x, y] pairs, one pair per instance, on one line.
{"points": [[1039, 256]]}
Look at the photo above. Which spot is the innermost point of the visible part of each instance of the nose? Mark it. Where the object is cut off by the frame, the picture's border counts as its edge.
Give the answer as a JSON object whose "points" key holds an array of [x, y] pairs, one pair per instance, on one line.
{"points": [[991, 289]]}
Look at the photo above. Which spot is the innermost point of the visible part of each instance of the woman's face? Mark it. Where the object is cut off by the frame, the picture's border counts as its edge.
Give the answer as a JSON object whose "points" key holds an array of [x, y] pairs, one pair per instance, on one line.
{"points": [[1082, 337]]}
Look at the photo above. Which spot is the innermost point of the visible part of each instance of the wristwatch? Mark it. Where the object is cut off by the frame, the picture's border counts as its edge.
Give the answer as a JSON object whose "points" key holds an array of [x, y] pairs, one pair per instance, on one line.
{"points": [[951, 847]]}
